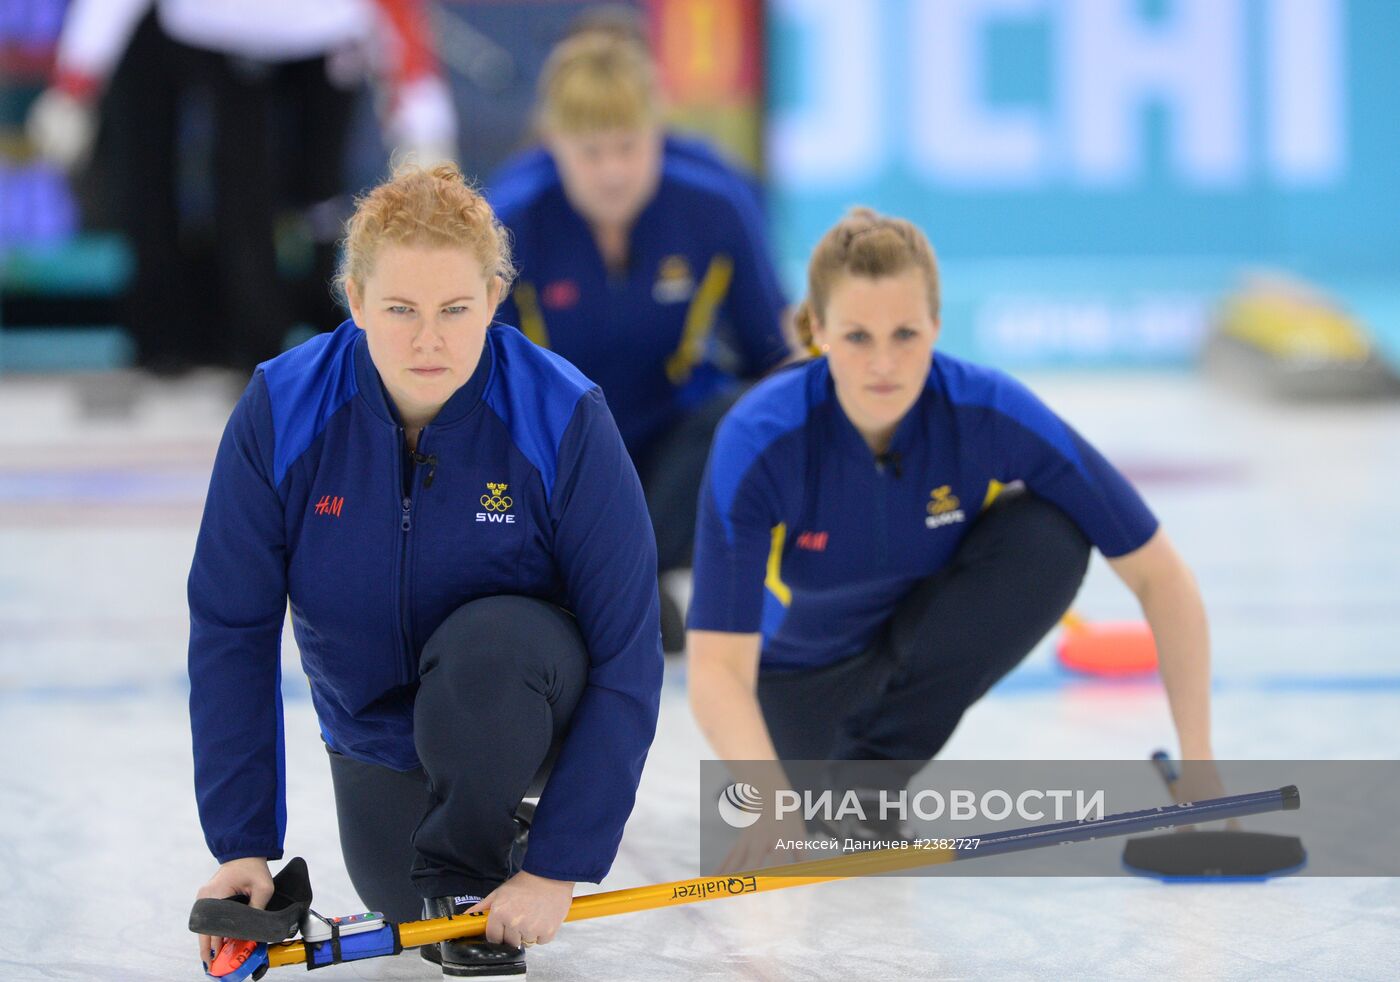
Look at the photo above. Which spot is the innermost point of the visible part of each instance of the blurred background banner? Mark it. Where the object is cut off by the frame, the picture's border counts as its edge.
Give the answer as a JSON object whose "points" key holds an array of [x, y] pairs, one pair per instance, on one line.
{"points": [[1095, 172], [711, 57]]}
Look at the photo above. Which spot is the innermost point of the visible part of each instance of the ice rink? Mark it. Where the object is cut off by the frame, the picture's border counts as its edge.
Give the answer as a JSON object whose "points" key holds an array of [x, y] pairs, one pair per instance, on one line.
{"points": [[1287, 515]]}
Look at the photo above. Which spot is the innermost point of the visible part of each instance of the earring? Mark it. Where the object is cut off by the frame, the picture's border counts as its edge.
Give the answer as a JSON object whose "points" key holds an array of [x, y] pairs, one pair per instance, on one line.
{"points": [[826, 348]]}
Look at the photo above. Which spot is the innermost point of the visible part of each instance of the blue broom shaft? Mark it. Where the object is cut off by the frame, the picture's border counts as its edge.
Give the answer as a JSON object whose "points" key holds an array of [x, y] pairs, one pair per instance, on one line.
{"points": [[1126, 823]]}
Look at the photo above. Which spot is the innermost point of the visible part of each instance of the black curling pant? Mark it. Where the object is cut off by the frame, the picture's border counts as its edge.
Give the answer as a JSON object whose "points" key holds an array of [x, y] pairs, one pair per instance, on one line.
{"points": [[672, 469], [499, 681], [950, 640]]}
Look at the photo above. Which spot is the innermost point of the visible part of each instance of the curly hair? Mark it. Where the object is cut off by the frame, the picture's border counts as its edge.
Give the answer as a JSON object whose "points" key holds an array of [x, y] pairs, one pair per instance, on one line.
{"points": [[427, 206]]}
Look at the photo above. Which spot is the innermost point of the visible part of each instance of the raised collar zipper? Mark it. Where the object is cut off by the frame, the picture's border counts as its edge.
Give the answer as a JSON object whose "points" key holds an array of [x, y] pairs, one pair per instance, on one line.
{"points": [[892, 461], [430, 460]]}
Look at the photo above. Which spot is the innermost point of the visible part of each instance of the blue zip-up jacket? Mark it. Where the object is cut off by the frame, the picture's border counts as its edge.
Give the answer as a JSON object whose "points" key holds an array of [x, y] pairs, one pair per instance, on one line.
{"points": [[532, 493], [807, 538], [698, 271]]}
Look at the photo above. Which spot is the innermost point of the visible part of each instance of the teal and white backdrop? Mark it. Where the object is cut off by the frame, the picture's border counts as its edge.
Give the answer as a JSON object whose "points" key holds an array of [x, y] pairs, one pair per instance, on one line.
{"points": [[1096, 173]]}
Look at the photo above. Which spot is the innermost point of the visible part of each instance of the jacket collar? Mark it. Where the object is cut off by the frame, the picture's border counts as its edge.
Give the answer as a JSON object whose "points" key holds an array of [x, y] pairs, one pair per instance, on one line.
{"points": [[906, 435], [458, 406]]}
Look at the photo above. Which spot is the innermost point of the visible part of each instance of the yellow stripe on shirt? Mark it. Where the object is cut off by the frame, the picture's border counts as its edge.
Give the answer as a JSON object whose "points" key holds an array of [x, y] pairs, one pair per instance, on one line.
{"points": [[774, 581], [531, 320], [700, 319], [994, 488]]}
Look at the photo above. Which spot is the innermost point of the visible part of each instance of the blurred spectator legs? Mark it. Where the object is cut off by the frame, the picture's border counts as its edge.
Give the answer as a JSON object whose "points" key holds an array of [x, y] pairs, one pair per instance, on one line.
{"points": [[140, 120], [213, 292]]}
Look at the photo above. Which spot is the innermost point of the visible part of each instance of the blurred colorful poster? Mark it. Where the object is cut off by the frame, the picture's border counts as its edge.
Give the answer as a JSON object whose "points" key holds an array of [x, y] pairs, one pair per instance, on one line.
{"points": [[710, 55]]}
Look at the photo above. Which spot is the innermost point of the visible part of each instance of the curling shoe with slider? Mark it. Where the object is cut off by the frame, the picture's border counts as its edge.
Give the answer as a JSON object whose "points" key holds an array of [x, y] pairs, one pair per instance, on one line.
{"points": [[471, 958]]}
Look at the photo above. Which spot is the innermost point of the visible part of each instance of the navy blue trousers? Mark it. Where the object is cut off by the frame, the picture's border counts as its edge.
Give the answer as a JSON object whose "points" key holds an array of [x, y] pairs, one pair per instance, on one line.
{"points": [[499, 681], [950, 640], [672, 470]]}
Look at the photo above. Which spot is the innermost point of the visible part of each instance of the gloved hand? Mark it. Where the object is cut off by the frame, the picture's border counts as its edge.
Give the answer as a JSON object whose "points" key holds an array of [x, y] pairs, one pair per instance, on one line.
{"points": [[62, 127]]}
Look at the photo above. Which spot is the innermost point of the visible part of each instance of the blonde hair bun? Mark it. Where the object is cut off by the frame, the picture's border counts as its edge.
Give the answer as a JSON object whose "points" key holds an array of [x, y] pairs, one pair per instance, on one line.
{"points": [[864, 243]]}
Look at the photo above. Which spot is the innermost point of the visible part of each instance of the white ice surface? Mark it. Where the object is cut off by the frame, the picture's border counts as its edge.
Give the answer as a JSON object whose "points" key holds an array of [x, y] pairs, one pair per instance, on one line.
{"points": [[1286, 514]]}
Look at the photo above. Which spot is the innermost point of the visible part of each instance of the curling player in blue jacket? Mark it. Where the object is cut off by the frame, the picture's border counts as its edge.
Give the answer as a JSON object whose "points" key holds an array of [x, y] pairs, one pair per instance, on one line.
{"points": [[452, 515], [644, 261], [885, 531]]}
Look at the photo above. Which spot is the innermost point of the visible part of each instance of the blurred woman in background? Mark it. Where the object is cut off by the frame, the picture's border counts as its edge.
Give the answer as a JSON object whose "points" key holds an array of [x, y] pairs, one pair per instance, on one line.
{"points": [[643, 261]]}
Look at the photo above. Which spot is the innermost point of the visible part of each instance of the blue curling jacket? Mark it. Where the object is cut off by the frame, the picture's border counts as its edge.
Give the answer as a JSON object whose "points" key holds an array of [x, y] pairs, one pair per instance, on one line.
{"points": [[808, 538], [698, 273], [313, 499]]}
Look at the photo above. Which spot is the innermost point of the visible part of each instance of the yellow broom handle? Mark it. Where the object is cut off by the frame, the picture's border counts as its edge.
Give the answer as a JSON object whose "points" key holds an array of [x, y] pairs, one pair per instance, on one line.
{"points": [[657, 895], [679, 892]]}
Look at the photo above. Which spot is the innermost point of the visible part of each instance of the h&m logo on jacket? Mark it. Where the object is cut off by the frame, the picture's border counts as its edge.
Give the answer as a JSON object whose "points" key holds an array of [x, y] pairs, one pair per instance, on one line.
{"points": [[330, 505], [497, 504]]}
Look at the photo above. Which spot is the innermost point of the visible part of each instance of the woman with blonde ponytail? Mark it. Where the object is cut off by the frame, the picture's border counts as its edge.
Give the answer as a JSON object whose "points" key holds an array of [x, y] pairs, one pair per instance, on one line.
{"points": [[453, 517], [885, 531]]}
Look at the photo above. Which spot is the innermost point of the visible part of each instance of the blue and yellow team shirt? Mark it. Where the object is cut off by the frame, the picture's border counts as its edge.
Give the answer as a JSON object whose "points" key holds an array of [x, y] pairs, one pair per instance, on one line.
{"points": [[805, 537], [698, 304]]}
